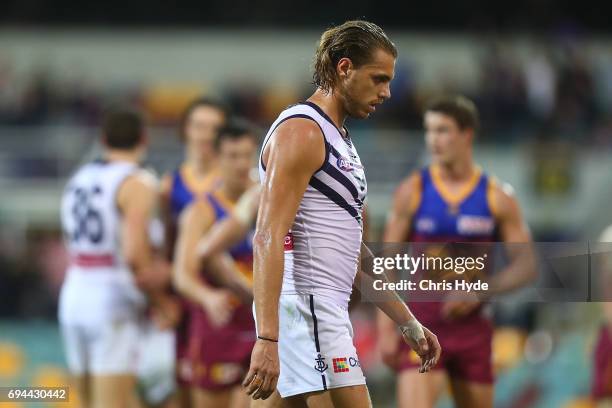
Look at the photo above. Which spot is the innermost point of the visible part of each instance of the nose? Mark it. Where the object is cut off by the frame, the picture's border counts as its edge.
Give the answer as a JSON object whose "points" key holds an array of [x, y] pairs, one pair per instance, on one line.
{"points": [[386, 92]]}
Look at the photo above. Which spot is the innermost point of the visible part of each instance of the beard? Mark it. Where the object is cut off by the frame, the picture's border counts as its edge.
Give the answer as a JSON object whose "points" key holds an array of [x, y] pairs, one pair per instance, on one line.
{"points": [[354, 109]]}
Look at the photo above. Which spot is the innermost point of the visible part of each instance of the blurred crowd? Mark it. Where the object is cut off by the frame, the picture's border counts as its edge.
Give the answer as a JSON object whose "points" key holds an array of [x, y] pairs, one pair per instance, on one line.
{"points": [[555, 93], [558, 92]]}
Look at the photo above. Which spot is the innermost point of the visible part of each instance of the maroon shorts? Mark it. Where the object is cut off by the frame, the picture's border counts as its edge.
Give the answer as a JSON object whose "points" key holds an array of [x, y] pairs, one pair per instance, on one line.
{"points": [[183, 349], [466, 346], [602, 367], [221, 355]]}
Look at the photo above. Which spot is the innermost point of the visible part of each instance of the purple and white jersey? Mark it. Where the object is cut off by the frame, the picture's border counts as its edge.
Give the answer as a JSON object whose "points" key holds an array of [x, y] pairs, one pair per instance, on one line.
{"points": [[322, 248]]}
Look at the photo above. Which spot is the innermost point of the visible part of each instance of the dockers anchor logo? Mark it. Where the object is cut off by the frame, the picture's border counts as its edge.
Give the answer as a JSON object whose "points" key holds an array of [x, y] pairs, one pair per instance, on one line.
{"points": [[320, 365]]}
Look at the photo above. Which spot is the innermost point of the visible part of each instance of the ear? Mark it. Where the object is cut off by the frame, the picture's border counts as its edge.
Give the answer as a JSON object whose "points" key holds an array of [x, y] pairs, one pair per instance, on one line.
{"points": [[469, 134], [345, 65]]}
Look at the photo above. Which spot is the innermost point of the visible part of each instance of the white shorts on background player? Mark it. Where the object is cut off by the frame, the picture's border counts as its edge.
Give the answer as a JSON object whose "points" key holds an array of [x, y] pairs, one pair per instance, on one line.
{"points": [[315, 347], [156, 364], [111, 348], [101, 323], [100, 305]]}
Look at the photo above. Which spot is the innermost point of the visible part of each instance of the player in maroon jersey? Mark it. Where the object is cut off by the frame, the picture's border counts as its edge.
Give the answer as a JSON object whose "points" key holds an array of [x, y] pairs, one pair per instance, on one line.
{"points": [[452, 200], [220, 340], [198, 129]]}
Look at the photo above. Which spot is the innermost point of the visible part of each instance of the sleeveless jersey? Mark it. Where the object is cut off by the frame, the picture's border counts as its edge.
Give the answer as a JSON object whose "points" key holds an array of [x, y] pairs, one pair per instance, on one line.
{"points": [[185, 187], [323, 246], [242, 252], [98, 281], [441, 217]]}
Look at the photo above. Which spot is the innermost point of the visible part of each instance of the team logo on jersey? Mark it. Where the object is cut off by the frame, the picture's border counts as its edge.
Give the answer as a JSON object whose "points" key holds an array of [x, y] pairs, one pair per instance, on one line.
{"points": [[345, 164], [320, 364], [288, 241], [475, 225], [425, 224], [353, 362], [340, 365]]}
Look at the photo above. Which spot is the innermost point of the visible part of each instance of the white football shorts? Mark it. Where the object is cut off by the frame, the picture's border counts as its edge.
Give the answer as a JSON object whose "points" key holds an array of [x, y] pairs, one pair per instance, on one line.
{"points": [[156, 364], [109, 348], [315, 346]]}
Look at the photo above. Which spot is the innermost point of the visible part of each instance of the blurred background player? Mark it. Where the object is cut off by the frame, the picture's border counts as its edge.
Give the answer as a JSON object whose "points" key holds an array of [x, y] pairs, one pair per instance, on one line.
{"points": [[221, 339], [602, 356], [199, 125], [231, 229], [157, 362], [453, 200], [106, 211]]}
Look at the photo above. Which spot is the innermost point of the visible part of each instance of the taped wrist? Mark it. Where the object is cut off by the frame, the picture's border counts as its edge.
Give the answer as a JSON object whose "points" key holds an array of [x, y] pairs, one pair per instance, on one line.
{"points": [[413, 330]]}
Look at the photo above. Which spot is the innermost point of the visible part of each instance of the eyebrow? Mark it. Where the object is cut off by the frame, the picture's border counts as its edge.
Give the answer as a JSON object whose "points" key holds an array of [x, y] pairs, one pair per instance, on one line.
{"points": [[383, 77]]}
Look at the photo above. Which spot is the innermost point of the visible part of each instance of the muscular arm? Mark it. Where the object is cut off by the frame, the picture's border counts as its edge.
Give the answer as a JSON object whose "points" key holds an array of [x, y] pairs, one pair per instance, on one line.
{"points": [[166, 216], [136, 200], [233, 228], [365, 216], [396, 313], [393, 311], [400, 217], [293, 154], [391, 304], [212, 247], [194, 222], [397, 229], [514, 232]]}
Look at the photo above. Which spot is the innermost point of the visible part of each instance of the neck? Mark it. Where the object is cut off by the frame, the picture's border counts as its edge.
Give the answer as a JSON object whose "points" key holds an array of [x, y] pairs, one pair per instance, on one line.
{"points": [[200, 167], [458, 170], [132, 156], [332, 105]]}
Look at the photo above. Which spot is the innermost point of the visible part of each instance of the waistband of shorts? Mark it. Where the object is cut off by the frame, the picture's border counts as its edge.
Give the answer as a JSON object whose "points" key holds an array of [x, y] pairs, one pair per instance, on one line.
{"points": [[323, 294]]}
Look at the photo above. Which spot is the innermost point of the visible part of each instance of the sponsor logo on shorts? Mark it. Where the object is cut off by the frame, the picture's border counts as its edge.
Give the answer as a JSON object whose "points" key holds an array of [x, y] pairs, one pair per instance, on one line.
{"points": [[413, 357], [340, 365], [225, 373], [353, 362], [320, 364]]}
